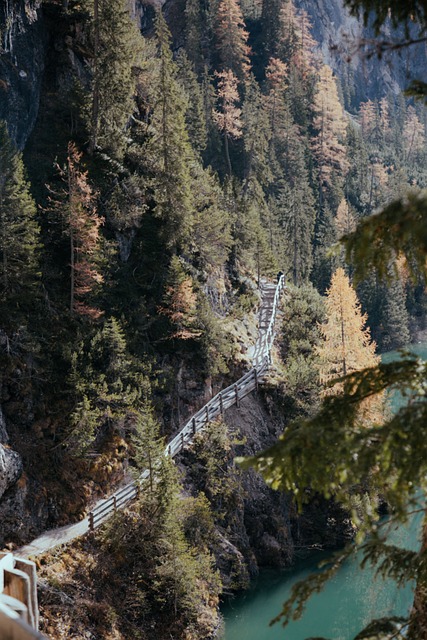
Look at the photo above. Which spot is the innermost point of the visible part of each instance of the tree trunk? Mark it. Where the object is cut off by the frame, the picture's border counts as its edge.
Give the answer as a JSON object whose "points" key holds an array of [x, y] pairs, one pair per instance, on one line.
{"points": [[227, 154]]}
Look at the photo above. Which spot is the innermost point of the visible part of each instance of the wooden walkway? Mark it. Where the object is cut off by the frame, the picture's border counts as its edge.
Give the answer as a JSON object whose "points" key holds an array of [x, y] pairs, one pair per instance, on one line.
{"points": [[232, 395]]}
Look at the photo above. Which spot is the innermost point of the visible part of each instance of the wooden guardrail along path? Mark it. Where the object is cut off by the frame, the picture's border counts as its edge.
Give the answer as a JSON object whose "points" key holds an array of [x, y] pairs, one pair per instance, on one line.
{"points": [[216, 406]]}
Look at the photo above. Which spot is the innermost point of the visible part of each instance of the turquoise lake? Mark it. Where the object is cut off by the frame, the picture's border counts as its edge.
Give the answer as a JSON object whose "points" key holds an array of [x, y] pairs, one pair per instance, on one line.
{"points": [[346, 604]]}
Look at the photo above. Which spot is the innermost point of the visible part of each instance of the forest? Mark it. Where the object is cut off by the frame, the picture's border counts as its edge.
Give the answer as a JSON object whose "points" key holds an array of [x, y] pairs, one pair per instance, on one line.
{"points": [[171, 170]]}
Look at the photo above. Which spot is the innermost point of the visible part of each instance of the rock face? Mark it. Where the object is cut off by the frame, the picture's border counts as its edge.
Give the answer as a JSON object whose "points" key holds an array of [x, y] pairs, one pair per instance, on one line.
{"points": [[10, 468], [338, 34], [22, 53]]}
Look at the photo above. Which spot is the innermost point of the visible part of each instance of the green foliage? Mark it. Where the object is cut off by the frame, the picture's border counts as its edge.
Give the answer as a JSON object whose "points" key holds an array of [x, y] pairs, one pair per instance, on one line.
{"points": [[381, 237], [109, 387], [303, 312], [400, 11], [115, 42], [173, 576], [212, 471], [19, 231], [215, 349], [167, 152]]}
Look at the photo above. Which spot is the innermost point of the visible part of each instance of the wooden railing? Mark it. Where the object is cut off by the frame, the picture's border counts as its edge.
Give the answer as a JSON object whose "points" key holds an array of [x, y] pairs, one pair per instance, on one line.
{"points": [[211, 410]]}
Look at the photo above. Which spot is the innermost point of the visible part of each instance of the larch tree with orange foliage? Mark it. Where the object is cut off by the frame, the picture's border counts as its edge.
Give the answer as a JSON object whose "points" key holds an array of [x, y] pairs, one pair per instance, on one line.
{"points": [[180, 302], [76, 204], [331, 124], [347, 345], [228, 118]]}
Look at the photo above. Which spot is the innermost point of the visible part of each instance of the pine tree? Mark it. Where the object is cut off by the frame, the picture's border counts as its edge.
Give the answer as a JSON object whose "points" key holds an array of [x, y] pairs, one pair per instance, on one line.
{"points": [[296, 216], [115, 45], [276, 74], [195, 120], [110, 389], [19, 231], [168, 152], [256, 136], [232, 38], [303, 314], [211, 238], [395, 320]]}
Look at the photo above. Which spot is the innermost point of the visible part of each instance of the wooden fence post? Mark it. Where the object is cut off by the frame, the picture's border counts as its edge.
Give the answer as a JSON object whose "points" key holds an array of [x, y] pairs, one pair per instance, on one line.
{"points": [[193, 423], [221, 405], [115, 503], [91, 523], [256, 378], [182, 439], [236, 389], [207, 413]]}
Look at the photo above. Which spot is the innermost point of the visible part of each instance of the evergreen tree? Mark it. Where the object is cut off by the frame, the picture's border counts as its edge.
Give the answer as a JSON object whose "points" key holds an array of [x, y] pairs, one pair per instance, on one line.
{"points": [[179, 302], [232, 38], [296, 217], [168, 152], [395, 320], [256, 136], [195, 120], [303, 314], [19, 231], [110, 389], [211, 238], [324, 237], [115, 45]]}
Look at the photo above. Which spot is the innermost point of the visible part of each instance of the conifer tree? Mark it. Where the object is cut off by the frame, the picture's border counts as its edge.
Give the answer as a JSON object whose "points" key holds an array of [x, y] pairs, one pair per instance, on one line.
{"points": [[195, 120], [179, 302], [296, 216], [168, 152], [275, 104], [228, 116], [109, 386], [76, 204], [211, 237], [345, 221], [325, 236], [331, 124], [115, 45], [232, 38], [256, 136], [395, 320], [414, 139], [19, 231], [194, 33], [347, 346]]}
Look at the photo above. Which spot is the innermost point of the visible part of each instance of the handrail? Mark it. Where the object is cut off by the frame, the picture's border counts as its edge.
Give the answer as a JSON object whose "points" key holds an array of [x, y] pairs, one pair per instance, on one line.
{"points": [[216, 406]]}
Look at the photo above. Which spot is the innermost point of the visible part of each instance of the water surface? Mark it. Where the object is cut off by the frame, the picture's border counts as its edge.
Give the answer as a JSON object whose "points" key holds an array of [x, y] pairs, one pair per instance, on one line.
{"points": [[346, 604]]}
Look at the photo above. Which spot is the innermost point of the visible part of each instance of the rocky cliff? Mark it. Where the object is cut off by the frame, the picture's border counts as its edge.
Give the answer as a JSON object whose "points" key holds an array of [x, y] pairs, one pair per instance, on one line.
{"points": [[340, 36], [22, 54], [25, 42]]}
